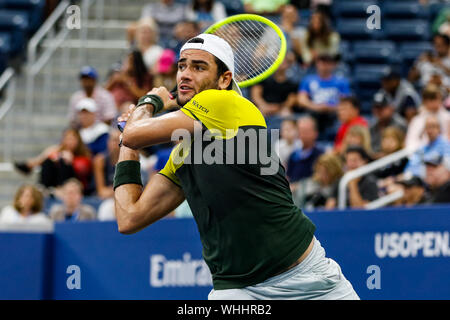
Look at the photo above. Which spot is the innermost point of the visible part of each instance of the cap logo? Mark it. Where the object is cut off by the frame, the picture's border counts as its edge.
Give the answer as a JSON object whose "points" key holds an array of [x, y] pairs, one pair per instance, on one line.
{"points": [[196, 40]]}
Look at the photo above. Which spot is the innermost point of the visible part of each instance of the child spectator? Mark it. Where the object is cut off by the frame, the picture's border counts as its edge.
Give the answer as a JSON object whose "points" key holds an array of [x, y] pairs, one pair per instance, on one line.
{"points": [[93, 133], [392, 140], [385, 116], [72, 208], [289, 140], [357, 135], [361, 190], [327, 172], [26, 208]]}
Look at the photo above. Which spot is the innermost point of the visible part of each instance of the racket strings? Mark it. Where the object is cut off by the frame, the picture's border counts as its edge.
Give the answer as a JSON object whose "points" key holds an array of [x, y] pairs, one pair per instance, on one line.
{"points": [[256, 47]]}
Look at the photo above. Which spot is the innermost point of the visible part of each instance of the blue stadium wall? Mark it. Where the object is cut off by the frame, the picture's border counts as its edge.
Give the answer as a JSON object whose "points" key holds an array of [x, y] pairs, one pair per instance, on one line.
{"points": [[386, 254]]}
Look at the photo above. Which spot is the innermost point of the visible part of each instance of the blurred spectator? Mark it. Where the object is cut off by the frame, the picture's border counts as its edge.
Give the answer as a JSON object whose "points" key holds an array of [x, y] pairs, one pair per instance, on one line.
{"points": [[317, 194], [348, 114], [104, 164], [301, 161], [438, 179], [319, 93], [415, 192], [183, 31], [276, 95], [319, 39], [437, 146], [166, 13], [432, 105], [71, 158], [442, 22], [107, 109], [205, 12], [264, 7], [356, 135], [289, 140], [430, 62], [72, 208], [385, 116], [166, 70], [93, 133], [362, 190], [293, 32], [147, 36], [392, 139], [131, 82], [400, 93], [26, 208]]}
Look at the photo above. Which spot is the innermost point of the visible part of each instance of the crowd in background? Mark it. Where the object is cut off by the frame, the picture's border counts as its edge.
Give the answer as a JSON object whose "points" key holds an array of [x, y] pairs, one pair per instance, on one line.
{"points": [[324, 132]]}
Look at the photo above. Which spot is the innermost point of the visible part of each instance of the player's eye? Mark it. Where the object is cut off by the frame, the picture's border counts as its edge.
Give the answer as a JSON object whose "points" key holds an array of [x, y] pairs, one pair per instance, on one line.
{"points": [[181, 67]]}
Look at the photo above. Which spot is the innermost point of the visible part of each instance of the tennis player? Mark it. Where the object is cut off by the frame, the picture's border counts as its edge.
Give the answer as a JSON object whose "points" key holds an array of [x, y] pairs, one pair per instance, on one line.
{"points": [[256, 242]]}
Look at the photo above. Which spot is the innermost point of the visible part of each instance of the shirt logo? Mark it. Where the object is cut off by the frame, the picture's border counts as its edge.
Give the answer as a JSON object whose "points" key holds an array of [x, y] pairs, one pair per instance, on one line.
{"points": [[199, 106]]}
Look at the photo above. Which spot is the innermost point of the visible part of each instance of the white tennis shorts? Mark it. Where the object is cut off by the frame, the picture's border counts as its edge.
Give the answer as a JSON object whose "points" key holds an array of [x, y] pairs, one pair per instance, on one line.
{"points": [[315, 278]]}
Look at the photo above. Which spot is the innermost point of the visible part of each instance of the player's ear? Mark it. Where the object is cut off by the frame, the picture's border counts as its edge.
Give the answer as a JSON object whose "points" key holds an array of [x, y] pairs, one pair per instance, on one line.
{"points": [[225, 80]]}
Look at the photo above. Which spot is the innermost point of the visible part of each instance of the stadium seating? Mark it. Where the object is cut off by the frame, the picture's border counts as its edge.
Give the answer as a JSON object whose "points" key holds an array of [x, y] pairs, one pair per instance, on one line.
{"points": [[352, 9], [367, 79], [375, 52], [34, 9], [356, 29], [405, 10], [410, 51], [16, 23], [408, 30]]}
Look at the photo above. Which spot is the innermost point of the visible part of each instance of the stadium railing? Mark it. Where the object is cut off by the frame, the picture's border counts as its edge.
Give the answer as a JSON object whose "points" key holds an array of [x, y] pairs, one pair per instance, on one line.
{"points": [[368, 168], [8, 86]]}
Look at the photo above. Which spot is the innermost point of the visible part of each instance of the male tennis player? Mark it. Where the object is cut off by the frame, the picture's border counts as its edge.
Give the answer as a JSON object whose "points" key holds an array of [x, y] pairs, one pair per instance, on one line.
{"points": [[256, 242]]}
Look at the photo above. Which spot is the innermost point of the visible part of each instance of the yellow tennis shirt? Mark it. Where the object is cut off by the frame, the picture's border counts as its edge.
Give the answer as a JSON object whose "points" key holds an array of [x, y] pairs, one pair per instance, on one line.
{"points": [[249, 227]]}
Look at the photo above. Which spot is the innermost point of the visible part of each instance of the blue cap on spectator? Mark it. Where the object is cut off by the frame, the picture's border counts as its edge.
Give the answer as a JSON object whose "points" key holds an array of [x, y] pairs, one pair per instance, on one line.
{"points": [[88, 71]]}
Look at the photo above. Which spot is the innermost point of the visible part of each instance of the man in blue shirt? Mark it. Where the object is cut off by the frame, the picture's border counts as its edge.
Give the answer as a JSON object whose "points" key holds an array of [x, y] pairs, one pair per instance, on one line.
{"points": [[319, 93], [438, 146]]}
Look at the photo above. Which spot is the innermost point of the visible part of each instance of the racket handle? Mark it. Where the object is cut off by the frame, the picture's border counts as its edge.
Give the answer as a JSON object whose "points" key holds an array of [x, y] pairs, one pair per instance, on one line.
{"points": [[121, 125]]}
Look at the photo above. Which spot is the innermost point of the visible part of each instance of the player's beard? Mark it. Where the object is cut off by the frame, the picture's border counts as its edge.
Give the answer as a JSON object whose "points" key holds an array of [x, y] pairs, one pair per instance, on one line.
{"points": [[206, 85]]}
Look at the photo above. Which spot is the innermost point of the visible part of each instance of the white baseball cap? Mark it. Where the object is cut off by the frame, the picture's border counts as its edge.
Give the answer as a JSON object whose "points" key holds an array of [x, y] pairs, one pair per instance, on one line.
{"points": [[218, 47], [88, 104]]}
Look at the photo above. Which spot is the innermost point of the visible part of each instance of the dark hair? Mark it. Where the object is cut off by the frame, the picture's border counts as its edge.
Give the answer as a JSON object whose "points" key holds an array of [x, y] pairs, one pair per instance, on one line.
{"points": [[354, 101], [323, 34], [207, 6], [140, 69], [443, 37], [221, 69], [360, 150]]}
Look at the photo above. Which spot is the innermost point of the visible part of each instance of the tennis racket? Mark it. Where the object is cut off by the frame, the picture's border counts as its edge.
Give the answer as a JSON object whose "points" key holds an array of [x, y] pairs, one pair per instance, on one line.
{"points": [[258, 44]]}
